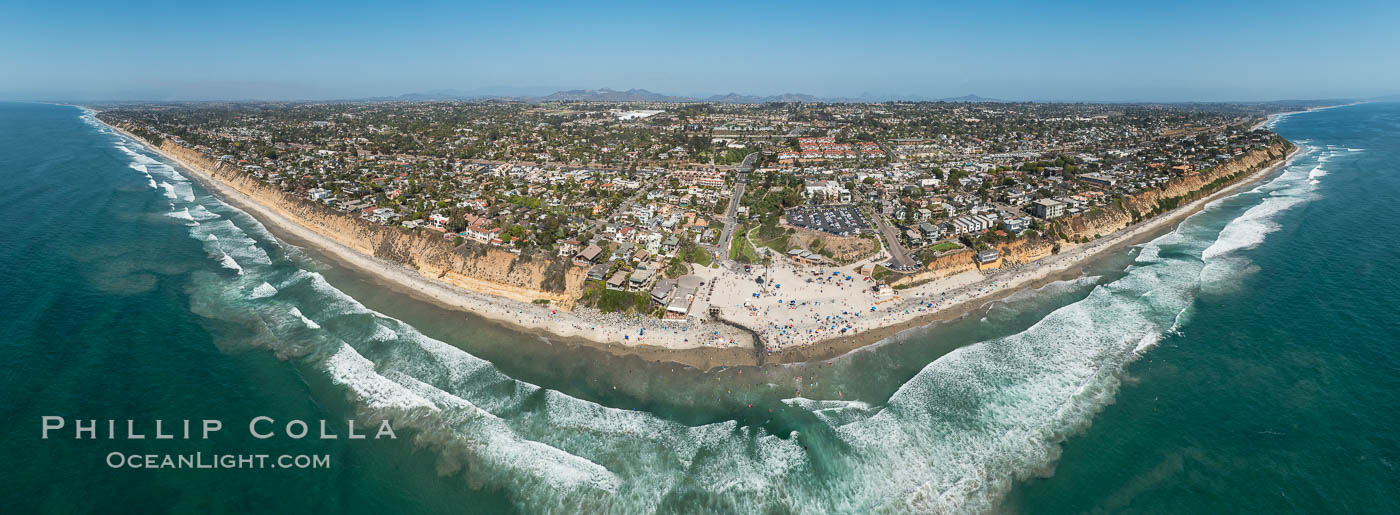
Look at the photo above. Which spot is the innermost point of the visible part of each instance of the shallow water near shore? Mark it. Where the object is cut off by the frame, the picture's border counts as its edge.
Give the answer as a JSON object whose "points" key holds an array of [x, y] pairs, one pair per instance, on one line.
{"points": [[1233, 363]]}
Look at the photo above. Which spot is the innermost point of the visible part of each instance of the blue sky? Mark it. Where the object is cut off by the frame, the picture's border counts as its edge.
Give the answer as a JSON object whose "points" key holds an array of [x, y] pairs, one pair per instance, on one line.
{"points": [[1098, 51]]}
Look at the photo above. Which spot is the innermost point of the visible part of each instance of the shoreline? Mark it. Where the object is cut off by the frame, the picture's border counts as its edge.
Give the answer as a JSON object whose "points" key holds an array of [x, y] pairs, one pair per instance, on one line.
{"points": [[1274, 117], [741, 349], [1064, 266], [560, 327]]}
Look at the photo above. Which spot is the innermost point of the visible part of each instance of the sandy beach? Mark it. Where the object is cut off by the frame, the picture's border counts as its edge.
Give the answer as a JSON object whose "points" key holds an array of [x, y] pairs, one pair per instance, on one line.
{"points": [[808, 314], [801, 314], [644, 336]]}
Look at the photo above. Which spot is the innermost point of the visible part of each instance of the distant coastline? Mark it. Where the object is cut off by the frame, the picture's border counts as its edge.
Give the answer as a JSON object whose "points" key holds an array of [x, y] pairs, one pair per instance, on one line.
{"points": [[732, 345], [1273, 117]]}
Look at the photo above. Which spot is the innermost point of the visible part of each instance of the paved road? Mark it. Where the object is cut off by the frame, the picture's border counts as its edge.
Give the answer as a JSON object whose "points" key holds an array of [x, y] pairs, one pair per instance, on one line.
{"points": [[898, 255], [748, 163], [893, 157], [731, 219], [624, 207]]}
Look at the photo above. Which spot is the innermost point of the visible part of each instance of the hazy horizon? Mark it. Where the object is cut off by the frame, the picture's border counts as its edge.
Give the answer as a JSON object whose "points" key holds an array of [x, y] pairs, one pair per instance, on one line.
{"points": [[1093, 51]]}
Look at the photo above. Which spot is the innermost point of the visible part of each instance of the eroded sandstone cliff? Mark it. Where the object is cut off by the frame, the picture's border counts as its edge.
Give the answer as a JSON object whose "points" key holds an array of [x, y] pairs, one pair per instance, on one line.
{"points": [[1108, 219], [475, 267], [1176, 192]]}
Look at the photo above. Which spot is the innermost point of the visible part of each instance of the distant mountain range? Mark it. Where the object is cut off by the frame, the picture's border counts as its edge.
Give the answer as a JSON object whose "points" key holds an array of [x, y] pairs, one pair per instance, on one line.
{"points": [[610, 95], [642, 95]]}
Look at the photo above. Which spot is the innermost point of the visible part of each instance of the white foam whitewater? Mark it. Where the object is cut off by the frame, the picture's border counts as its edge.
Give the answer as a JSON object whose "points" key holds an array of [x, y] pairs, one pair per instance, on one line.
{"points": [[230, 263], [310, 324], [953, 438], [262, 291], [1295, 186]]}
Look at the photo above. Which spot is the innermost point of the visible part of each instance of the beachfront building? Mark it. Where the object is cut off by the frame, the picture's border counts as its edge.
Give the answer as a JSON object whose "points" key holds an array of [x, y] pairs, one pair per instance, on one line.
{"points": [[1015, 225], [986, 256], [618, 281], [641, 280], [1048, 209], [589, 256], [972, 223], [661, 293], [679, 306], [598, 272], [569, 247], [805, 257]]}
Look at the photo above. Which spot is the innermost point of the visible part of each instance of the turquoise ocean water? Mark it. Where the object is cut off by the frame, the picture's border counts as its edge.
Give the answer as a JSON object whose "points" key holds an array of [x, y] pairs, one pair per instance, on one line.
{"points": [[1243, 362]]}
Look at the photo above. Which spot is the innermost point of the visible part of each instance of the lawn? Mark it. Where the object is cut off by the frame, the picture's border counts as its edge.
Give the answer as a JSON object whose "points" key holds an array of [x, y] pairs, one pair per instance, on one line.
{"points": [[697, 255], [945, 246], [779, 244], [771, 236], [742, 251]]}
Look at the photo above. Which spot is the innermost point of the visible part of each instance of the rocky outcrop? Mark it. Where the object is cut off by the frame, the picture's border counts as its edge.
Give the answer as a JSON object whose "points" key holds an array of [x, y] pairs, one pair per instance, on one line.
{"points": [[477, 268]]}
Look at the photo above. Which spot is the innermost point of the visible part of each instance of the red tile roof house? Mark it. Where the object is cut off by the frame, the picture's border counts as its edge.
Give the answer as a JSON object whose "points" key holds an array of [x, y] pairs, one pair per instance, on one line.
{"points": [[480, 230]]}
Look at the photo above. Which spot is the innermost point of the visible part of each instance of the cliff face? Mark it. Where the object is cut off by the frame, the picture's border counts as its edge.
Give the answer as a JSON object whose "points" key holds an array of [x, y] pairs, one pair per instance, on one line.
{"points": [[476, 268], [1106, 220], [952, 263], [1025, 250], [1178, 191], [1016, 252]]}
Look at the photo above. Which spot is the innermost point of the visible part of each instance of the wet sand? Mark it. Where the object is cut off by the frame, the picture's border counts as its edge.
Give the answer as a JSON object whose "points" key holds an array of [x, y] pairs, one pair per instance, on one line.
{"points": [[745, 353], [1129, 236]]}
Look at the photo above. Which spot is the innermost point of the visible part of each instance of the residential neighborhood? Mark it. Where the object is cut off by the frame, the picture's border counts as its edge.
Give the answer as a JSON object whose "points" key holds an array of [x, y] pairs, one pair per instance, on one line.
{"points": [[643, 194]]}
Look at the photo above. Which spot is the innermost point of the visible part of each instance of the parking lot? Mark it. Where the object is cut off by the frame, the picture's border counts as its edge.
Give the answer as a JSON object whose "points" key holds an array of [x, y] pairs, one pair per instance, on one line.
{"points": [[838, 220]]}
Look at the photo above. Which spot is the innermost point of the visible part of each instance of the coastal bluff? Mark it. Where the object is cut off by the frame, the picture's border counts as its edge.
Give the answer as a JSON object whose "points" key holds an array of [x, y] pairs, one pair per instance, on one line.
{"points": [[471, 266], [1100, 222], [1019, 251], [1176, 192]]}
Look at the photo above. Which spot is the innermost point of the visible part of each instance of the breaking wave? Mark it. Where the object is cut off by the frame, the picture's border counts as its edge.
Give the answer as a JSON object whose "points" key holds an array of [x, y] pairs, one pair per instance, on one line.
{"points": [[262, 291], [311, 324], [1292, 188], [182, 214], [953, 438], [230, 263]]}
